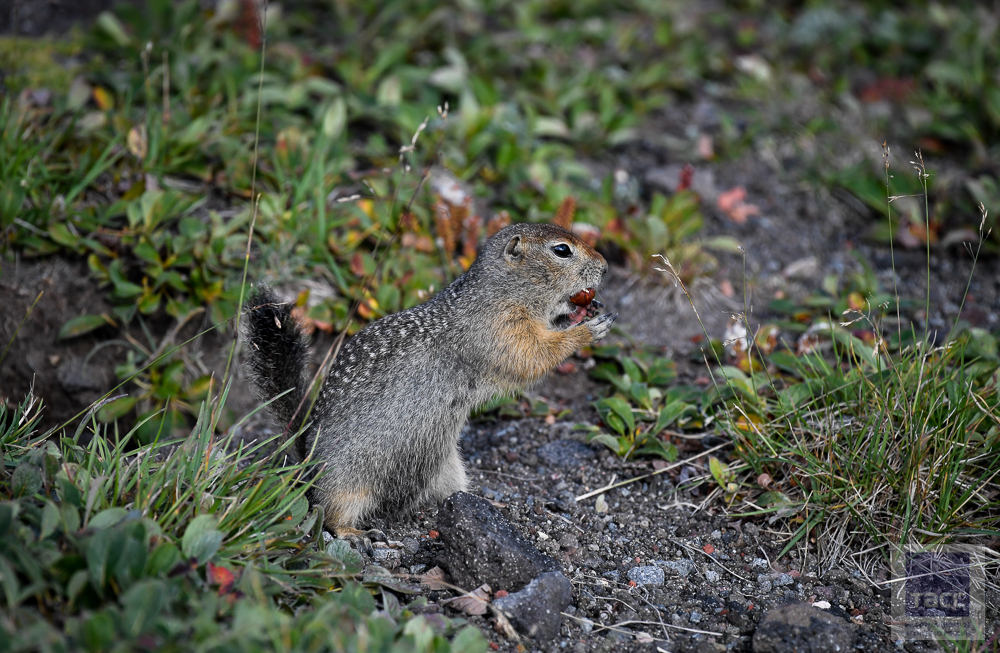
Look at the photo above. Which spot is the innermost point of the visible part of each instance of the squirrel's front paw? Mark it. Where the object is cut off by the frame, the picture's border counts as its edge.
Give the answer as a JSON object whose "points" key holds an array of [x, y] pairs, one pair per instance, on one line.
{"points": [[600, 326]]}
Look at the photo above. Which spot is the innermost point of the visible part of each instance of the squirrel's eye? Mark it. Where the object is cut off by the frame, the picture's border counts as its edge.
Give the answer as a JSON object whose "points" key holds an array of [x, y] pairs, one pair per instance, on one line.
{"points": [[562, 250]]}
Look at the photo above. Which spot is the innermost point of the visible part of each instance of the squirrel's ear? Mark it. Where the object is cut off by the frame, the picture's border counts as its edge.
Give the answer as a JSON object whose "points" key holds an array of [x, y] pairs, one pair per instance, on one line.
{"points": [[514, 249]]}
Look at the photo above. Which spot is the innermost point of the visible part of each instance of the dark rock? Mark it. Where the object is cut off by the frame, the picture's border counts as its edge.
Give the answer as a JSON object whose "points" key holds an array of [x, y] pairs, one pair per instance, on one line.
{"points": [[739, 616], [565, 453], [483, 546], [802, 628], [535, 610]]}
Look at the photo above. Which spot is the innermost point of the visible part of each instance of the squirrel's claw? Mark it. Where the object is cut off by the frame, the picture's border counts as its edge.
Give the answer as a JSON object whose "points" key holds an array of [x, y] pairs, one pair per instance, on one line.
{"points": [[600, 326], [361, 541]]}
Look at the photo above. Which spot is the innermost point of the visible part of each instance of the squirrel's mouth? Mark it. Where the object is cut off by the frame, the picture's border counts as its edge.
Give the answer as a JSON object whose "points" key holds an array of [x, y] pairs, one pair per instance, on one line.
{"points": [[581, 307]]}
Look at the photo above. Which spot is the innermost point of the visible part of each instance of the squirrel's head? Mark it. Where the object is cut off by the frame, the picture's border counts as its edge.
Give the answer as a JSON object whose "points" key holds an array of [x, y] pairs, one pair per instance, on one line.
{"points": [[546, 269]]}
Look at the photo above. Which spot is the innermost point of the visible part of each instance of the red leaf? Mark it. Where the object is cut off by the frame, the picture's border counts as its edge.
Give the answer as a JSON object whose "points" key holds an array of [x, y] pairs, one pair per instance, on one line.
{"points": [[247, 25], [222, 577], [687, 176]]}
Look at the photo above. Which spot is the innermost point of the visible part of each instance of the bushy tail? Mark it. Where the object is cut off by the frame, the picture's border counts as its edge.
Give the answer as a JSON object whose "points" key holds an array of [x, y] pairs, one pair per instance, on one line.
{"points": [[277, 355]]}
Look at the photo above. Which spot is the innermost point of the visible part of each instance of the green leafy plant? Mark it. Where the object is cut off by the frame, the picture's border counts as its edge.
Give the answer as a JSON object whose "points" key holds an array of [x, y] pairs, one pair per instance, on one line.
{"points": [[638, 380], [207, 546]]}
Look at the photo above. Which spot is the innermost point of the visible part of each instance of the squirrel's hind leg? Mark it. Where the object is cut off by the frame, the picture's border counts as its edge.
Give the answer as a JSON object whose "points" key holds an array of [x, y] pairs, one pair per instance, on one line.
{"points": [[450, 479], [345, 508]]}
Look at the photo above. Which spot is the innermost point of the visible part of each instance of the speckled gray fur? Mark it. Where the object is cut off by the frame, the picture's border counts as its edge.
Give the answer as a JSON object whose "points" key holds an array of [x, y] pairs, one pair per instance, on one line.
{"points": [[388, 418]]}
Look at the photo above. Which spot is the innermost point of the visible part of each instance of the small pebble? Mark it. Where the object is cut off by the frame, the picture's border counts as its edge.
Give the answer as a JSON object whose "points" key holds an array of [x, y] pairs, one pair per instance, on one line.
{"points": [[782, 579], [681, 567], [712, 576], [760, 564], [647, 575], [695, 617]]}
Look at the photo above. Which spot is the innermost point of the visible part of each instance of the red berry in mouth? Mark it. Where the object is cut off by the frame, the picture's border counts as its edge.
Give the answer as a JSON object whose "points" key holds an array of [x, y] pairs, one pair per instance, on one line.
{"points": [[583, 297]]}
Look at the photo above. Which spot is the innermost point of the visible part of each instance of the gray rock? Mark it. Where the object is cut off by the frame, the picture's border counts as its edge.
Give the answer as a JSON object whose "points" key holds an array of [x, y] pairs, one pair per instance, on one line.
{"points": [[614, 576], [480, 545], [695, 617], [712, 576], [388, 558], [782, 579], [647, 575], [535, 610], [760, 564], [802, 628], [765, 586], [682, 567], [565, 453]]}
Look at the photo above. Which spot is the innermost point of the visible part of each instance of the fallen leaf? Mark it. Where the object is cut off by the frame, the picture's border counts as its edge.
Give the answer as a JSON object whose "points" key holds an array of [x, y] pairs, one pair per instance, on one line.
{"points": [[733, 205], [765, 480], [601, 505], [502, 625], [434, 579], [474, 603]]}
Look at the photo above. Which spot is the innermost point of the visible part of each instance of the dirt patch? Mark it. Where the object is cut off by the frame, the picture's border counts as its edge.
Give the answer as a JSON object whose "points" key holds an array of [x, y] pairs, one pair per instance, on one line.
{"points": [[70, 375], [67, 375], [660, 567]]}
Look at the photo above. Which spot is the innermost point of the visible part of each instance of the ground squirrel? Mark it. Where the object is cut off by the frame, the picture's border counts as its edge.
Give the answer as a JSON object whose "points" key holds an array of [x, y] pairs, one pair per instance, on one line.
{"points": [[388, 417]]}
